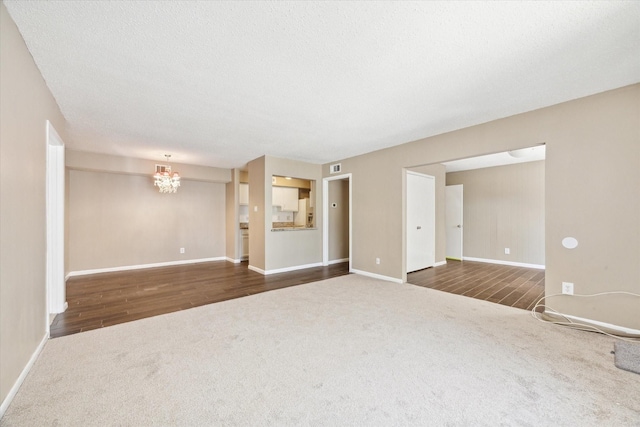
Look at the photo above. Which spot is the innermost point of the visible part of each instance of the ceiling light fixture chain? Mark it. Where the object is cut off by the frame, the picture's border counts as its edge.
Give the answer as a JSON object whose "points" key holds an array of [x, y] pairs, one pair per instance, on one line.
{"points": [[166, 181]]}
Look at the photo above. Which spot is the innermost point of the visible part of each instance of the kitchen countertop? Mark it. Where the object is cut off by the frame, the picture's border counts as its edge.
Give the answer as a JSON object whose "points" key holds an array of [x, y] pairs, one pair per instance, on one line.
{"points": [[300, 228]]}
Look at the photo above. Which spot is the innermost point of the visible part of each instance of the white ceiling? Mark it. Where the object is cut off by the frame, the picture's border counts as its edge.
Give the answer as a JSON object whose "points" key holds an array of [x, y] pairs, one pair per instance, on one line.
{"points": [[221, 83]]}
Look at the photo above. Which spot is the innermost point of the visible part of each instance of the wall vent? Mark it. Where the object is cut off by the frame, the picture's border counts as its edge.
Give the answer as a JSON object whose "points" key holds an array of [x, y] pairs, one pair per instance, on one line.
{"points": [[335, 168]]}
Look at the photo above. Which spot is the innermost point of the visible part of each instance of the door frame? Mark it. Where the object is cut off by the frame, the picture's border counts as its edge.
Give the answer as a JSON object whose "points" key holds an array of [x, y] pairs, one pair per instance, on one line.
{"points": [[325, 217], [55, 193]]}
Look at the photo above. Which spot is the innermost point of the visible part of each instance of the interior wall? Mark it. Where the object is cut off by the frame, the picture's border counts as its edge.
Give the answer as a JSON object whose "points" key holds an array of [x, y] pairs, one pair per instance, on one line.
{"points": [[284, 249], [592, 187], [118, 220], [338, 219], [83, 160], [503, 207], [232, 224], [259, 188], [438, 172], [25, 105]]}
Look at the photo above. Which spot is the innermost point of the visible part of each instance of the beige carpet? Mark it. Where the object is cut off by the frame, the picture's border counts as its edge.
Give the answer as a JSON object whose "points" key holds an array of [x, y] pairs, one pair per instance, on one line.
{"points": [[346, 351]]}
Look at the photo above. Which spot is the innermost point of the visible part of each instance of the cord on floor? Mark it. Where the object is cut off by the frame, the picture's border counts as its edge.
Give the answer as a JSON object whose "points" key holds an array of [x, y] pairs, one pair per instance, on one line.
{"points": [[577, 325]]}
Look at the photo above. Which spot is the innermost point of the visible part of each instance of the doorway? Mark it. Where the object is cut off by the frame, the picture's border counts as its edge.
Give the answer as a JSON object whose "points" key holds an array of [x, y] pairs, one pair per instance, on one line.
{"points": [[420, 220], [336, 220], [502, 228]]}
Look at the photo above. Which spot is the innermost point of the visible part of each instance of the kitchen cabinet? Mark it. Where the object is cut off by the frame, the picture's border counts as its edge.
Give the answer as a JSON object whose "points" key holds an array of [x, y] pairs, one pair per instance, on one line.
{"points": [[286, 198], [244, 194]]}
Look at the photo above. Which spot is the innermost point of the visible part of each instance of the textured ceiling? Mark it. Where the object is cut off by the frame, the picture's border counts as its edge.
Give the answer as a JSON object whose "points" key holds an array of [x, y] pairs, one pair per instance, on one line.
{"points": [[221, 83]]}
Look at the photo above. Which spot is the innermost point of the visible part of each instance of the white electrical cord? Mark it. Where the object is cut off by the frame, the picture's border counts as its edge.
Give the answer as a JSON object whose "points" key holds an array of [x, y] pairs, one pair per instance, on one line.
{"points": [[576, 325]]}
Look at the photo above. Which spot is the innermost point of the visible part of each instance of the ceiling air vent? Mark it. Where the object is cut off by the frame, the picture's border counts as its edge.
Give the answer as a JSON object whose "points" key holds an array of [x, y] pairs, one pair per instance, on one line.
{"points": [[335, 168]]}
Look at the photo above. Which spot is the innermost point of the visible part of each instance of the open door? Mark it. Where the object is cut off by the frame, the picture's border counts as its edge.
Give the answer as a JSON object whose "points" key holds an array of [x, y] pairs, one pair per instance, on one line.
{"points": [[453, 221]]}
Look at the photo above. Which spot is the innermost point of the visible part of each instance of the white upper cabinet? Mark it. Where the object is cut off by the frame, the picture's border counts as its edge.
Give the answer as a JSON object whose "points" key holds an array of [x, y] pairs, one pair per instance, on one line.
{"points": [[244, 194], [286, 198]]}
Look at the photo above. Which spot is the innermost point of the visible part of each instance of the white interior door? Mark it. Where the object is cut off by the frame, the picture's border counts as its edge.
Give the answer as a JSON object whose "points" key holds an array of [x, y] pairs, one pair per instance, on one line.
{"points": [[453, 221], [421, 221]]}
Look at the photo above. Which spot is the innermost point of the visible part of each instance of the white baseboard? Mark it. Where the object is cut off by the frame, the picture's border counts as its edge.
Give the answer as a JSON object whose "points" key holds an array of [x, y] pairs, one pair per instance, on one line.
{"points": [[495, 261], [285, 269], [338, 261], [235, 261], [16, 386], [438, 264], [608, 327], [256, 269], [376, 276], [137, 267]]}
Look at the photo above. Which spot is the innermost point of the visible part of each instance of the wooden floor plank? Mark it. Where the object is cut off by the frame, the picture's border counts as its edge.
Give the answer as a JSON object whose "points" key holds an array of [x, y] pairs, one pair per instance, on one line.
{"points": [[107, 299], [507, 285]]}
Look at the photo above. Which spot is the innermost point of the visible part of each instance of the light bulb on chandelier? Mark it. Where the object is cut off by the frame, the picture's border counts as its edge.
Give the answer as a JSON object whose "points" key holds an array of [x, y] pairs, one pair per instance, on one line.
{"points": [[166, 181]]}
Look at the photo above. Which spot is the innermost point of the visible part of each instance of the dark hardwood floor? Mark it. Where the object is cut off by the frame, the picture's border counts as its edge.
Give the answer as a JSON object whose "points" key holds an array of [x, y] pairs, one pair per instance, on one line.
{"points": [[107, 299], [513, 286]]}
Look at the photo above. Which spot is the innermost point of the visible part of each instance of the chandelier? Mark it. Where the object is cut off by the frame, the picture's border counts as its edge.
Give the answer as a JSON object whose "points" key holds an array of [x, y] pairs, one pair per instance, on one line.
{"points": [[166, 181]]}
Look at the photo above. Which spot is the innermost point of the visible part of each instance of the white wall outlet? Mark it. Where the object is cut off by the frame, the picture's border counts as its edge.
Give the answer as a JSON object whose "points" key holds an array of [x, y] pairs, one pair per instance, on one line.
{"points": [[567, 288], [377, 260], [255, 209], [181, 250], [507, 251]]}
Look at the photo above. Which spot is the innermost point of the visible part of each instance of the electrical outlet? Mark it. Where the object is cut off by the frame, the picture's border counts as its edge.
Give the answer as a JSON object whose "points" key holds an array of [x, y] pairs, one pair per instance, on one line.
{"points": [[377, 260], [181, 250], [507, 251], [567, 288]]}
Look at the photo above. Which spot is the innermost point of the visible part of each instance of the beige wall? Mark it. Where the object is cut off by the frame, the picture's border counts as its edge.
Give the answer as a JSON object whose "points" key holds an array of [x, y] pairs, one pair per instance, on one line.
{"points": [[291, 248], [338, 219], [258, 220], [83, 160], [232, 224], [25, 105], [118, 220], [438, 172], [503, 208], [592, 187], [273, 250]]}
